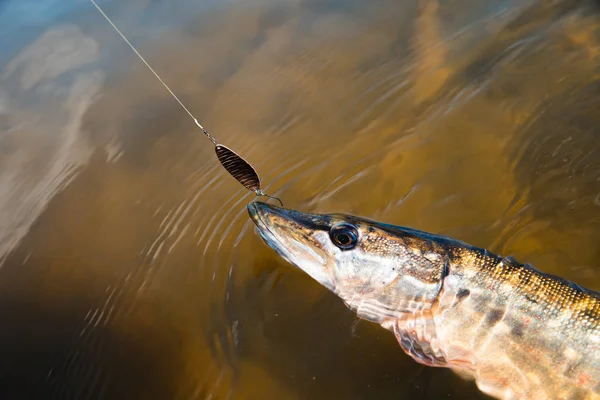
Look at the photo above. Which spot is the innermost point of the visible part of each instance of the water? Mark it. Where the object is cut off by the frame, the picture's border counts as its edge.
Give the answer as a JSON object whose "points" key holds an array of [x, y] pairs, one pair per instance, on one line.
{"points": [[129, 268]]}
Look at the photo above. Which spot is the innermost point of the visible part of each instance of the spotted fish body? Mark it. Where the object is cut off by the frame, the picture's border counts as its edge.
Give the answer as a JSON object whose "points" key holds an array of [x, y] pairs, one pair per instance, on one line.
{"points": [[519, 332]]}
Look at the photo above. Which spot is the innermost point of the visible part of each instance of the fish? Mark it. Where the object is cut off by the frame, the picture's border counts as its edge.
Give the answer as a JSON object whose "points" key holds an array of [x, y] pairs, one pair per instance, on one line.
{"points": [[518, 332]]}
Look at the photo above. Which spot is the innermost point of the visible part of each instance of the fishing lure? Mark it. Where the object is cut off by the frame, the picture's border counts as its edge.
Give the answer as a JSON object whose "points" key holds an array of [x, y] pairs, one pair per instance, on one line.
{"points": [[233, 163]]}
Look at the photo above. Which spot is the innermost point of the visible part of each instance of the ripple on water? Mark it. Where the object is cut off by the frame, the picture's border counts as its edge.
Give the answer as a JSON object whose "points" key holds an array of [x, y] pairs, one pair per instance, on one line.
{"points": [[421, 115]]}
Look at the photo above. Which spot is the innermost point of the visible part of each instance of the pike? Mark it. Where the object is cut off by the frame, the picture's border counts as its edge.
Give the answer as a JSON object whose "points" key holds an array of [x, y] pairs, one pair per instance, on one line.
{"points": [[518, 332]]}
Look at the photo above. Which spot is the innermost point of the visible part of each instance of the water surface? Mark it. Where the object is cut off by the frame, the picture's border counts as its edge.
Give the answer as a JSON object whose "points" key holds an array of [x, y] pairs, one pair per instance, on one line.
{"points": [[128, 265]]}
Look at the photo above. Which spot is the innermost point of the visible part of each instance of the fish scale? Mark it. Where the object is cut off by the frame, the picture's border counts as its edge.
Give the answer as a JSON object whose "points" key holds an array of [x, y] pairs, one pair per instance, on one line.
{"points": [[549, 326]]}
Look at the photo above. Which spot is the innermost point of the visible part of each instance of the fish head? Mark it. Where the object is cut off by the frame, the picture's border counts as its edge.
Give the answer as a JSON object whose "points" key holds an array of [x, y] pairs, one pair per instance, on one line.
{"points": [[380, 271]]}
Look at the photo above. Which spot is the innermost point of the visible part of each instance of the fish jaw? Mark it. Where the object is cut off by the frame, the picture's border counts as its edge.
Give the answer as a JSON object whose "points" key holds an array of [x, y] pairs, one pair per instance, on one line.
{"points": [[292, 235]]}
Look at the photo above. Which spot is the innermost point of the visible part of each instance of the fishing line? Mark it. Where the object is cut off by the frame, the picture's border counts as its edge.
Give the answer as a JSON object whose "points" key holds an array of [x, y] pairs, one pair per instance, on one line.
{"points": [[233, 163]]}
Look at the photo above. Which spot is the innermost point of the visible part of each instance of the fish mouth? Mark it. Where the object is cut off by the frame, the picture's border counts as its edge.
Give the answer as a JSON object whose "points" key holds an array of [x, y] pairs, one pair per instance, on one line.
{"points": [[292, 235], [258, 212]]}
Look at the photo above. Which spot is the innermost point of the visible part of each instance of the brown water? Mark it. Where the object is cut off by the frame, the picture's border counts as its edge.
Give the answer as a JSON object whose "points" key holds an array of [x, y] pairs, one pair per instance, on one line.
{"points": [[128, 266]]}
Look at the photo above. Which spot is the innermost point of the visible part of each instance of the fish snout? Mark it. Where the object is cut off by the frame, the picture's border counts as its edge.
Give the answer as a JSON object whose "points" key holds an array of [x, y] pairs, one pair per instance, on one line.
{"points": [[257, 209]]}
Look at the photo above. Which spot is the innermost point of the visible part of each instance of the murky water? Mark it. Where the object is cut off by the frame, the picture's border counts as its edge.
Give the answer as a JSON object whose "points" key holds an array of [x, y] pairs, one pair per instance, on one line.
{"points": [[128, 266]]}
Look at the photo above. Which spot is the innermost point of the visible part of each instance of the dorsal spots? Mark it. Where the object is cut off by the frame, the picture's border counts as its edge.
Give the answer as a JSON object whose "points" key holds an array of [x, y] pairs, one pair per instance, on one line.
{"points": [[463, 294], [517, 330], [493, 317]]}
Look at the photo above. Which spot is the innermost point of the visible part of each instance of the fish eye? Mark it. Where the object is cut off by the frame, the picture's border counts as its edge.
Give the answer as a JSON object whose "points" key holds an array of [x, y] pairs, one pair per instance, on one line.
{"points": [[344, 236]]}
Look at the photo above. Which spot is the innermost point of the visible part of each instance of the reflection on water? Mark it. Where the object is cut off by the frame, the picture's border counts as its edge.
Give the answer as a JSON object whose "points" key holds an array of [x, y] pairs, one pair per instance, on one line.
{"points": [[128, 266]]}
